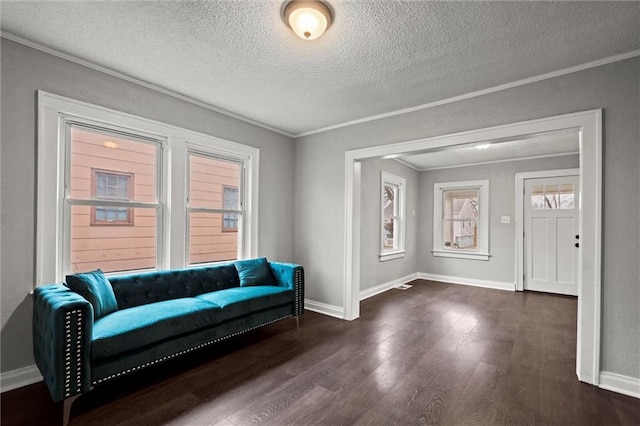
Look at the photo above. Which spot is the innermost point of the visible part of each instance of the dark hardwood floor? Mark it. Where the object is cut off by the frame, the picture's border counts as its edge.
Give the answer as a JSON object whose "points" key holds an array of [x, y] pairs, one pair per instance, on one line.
{"points": [[433, 354]]}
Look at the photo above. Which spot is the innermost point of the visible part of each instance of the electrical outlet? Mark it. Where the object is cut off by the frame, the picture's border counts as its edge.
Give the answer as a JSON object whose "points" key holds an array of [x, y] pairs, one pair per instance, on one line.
{"points": [[505, 219]]}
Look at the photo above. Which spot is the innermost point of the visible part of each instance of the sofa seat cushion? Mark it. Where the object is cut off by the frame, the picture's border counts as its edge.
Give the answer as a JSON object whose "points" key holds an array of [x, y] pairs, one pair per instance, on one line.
{"points": [[239, 301], [139, 326]]}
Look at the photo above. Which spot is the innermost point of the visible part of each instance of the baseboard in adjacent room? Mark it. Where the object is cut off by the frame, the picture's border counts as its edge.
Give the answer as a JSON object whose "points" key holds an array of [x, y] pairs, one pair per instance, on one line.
{"points": [[20, 377], [625, 385], [381, 288], [324, 308], [498, 285]]}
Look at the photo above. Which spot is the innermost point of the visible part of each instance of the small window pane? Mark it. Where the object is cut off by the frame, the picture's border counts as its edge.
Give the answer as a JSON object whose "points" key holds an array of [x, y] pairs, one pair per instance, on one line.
{"points": [[566, 196], [551, 197], [537, 197], [112, 249]]}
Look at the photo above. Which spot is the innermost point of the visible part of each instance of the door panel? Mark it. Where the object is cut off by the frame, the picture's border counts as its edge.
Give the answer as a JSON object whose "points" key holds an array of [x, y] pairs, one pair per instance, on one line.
{"points": [[551, 226], [566, 253], [539, 247]]}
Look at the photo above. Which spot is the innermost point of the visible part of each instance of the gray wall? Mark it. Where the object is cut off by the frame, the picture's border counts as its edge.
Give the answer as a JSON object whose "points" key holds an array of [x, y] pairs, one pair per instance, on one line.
{"points": [[372, 271], [501, 266], [320, 199], [24, 71]]}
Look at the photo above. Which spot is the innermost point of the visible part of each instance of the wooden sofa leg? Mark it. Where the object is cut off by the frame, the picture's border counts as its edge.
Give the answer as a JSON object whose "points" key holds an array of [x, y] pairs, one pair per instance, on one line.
{"points": [[66, 409]]}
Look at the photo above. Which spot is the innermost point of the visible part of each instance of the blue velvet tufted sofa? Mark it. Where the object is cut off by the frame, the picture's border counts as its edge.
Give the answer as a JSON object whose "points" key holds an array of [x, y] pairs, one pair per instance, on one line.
{"points": [[159, 316]]}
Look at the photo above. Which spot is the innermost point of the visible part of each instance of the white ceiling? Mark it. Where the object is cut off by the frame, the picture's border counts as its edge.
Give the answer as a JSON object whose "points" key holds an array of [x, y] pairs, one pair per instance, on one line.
{"points": [[378, 57], [536, 146]]}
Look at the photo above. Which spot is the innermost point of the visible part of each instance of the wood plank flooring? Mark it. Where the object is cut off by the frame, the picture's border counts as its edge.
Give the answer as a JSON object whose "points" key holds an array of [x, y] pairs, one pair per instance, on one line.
{"points": [[434, 354]]}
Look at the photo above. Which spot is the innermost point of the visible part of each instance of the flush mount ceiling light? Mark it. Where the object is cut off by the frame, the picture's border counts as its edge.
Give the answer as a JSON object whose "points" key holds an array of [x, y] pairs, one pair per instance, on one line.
{"points": [[308, 19]]}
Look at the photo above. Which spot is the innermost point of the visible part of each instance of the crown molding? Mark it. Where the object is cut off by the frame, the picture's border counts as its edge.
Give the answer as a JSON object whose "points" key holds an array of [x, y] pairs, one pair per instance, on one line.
{"points": [[117, 74], [523, 82], [139, 82]]}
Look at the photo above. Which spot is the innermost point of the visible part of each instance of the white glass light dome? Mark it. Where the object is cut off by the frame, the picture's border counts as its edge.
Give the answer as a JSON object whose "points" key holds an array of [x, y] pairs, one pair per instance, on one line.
{"points": [[308, 19]]}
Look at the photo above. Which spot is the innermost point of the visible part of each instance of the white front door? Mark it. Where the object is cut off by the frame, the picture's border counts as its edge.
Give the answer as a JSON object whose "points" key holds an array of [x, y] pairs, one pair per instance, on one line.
{"points": [[551, 234]]}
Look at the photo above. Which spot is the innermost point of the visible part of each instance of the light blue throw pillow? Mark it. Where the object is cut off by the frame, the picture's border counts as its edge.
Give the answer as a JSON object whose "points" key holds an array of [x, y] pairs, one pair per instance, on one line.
{"points": [[254, 272], [96, 288]]}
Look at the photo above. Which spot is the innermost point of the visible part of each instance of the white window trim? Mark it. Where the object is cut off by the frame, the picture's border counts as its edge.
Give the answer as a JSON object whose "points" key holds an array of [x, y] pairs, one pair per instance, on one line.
{"points": [[438, 245], [401, 183], [53, 110]]}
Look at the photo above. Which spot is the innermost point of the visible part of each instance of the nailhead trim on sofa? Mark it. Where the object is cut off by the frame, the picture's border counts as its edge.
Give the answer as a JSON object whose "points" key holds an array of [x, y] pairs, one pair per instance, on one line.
{"points": [[73, 341], [299, 295], [202, 345]]}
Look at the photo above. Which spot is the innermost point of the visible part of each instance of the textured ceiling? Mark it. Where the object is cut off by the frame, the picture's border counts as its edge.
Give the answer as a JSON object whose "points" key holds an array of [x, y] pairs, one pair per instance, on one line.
{"points": [[535, 146], [378, 57]]}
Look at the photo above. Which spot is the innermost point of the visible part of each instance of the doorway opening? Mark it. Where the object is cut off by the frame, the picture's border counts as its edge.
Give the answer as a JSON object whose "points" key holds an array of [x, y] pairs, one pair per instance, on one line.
{"points": [[588, 126]]}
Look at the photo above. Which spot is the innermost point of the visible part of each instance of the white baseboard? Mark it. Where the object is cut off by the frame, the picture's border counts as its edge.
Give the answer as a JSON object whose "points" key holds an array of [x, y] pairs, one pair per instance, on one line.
{"points": [[18, 378], [498, 285], [381, 288], [324, 308], [625, 385]]}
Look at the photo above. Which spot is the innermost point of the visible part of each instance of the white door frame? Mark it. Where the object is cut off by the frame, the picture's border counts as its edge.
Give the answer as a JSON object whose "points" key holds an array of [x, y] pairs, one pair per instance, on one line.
{"points": [[520, 178], [589, 127]]}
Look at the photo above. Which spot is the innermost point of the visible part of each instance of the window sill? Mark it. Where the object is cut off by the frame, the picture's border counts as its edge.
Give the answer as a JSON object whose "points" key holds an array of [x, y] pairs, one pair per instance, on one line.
{"points": [[461, 254], [391, 255]]}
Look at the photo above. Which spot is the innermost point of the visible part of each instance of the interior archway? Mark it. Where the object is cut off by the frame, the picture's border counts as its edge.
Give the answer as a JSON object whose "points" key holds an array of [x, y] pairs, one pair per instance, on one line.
{"points": [[588, 124]]}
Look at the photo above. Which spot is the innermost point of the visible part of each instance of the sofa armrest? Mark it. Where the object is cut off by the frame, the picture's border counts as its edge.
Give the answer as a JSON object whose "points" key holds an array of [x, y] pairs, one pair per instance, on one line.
{"points": [[291, 276], [62, 329]]}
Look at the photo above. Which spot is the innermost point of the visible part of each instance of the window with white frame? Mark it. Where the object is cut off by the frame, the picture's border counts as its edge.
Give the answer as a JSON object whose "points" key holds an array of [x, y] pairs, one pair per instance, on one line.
{"points": [[392, 213], [101, 194], [461, 219], [214, 210], [112, 186]]}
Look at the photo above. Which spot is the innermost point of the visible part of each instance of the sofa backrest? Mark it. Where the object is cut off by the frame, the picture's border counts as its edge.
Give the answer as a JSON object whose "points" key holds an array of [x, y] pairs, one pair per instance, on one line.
{"points": [[149, 287]]}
